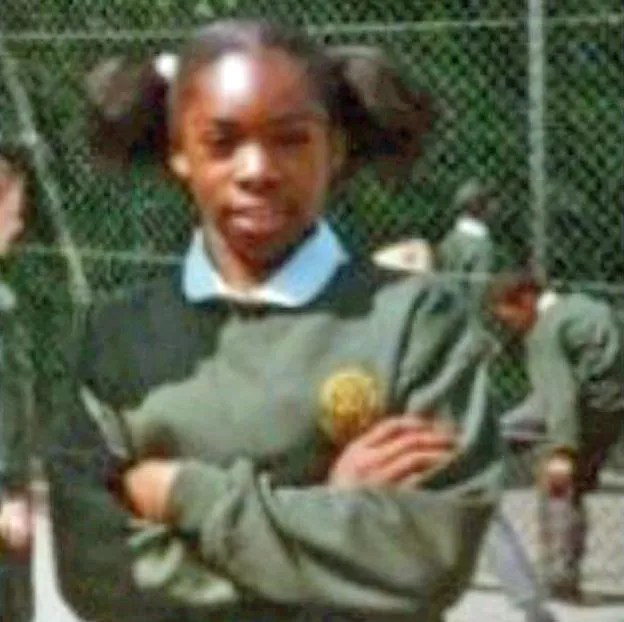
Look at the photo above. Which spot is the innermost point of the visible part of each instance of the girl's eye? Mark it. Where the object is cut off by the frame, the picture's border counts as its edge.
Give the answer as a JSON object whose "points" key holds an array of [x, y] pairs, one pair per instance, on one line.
{"points": [[220, 143], [294, 137]]}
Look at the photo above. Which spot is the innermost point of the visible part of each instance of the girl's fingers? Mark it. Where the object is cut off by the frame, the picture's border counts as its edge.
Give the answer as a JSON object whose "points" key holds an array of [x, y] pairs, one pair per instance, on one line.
{"points": [[411, 442], [391, 427], [410, 464]]}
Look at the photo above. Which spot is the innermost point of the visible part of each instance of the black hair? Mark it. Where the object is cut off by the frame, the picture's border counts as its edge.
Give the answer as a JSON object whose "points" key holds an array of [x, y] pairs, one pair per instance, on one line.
{"points": [[13, 161], [505, 283], [476, 198], [480, 207], [508, 284], [383, 120], [127, 112]]}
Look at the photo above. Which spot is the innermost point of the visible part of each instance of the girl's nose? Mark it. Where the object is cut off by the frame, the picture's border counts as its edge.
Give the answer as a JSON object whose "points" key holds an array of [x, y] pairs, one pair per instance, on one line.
{"points": [[256, 169]]}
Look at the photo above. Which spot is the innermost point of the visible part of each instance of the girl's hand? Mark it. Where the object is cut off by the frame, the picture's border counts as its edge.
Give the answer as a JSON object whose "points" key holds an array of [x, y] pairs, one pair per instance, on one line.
{"points": [[147, 487], [395, 450], [16, 524], [558, 475]]}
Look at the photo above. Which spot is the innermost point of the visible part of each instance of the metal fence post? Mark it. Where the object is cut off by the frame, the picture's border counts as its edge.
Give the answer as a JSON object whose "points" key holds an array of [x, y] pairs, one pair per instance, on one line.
{"points": [[537, 138]]}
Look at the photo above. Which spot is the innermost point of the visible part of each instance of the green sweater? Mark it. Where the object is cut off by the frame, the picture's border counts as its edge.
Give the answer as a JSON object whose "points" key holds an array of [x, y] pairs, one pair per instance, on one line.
{"points": [[236, 392], [575, 361], [16, 396]]}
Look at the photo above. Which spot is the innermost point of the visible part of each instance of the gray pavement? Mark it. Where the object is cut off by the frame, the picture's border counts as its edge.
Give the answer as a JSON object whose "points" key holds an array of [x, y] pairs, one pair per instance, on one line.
{"points": [[485, 606], [49, 606]]}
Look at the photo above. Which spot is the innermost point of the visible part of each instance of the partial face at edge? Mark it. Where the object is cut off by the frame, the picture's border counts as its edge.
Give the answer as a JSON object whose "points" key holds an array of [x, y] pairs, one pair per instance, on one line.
{"points": [[517, 311], [254, 151], [12, 208]]}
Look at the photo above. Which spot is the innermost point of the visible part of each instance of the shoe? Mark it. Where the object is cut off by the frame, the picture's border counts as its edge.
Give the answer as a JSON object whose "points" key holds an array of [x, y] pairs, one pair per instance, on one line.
{"points": [[537, 612], [541, 615], [567, 592]]}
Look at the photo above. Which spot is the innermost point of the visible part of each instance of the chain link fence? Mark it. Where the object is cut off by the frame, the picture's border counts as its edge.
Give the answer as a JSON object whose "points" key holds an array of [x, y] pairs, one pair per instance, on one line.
{"points": [[529, 95]]}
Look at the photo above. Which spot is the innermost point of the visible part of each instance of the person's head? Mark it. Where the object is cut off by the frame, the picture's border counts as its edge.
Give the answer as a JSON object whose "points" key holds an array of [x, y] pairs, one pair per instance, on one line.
{"points": [[263, 122], [512, 300], [253, 135], [12, 202], [477, 199]]}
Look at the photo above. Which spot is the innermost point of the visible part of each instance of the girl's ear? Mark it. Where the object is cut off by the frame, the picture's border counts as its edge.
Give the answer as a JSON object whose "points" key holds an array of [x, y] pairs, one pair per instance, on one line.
{"points": [[180, 165]]}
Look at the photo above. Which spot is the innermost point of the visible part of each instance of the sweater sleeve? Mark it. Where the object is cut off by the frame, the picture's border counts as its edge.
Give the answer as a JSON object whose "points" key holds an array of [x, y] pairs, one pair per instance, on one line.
{"points": [[16, 403], [401, 551], [560, 394], [404, 550], [593, 342], [103, 554], [585, 373]]}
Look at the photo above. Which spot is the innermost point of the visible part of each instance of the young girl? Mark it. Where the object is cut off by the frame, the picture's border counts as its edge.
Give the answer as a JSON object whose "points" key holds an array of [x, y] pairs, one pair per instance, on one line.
{"points": [[276, 431]]}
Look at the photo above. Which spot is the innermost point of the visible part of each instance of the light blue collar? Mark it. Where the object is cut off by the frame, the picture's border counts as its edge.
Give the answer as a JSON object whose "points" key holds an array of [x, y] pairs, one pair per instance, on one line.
{"points": [[296, 283]]}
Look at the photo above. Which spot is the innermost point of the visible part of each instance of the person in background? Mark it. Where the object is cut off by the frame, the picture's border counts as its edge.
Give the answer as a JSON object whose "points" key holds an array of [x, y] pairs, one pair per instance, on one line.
{"points": [[277, 430], [16, 403], [575, 363], [466, 252], [465, 256]]}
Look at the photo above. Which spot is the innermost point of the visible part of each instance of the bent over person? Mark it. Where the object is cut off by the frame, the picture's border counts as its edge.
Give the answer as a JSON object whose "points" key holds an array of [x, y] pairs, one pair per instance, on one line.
{"points": [[275, 431], [575, 363]]}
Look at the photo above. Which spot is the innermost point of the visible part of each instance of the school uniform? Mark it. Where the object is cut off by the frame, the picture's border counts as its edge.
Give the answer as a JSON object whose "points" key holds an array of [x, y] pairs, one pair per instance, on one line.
{"points": [[16, 412], [254, 391], [575, 362], [466, 254]]}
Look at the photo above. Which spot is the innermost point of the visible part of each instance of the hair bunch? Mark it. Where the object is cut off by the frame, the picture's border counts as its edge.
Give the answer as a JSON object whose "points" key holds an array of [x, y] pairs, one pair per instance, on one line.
{"points": [[382, 119]]}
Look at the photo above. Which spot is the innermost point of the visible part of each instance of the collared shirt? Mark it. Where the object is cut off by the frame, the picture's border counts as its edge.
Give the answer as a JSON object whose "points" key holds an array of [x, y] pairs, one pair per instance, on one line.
{"points": [[414, 255], [472, 226], [294, 284]]}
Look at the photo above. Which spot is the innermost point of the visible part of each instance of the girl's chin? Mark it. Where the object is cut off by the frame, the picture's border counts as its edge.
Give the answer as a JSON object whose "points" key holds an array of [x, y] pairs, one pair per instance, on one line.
{"points": [[265, 227], [260, 239]]}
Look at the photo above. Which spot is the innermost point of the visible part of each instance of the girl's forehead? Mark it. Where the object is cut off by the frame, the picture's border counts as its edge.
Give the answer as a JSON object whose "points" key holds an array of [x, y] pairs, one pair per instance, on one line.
{"points": [[234, 76], [267, 82]]}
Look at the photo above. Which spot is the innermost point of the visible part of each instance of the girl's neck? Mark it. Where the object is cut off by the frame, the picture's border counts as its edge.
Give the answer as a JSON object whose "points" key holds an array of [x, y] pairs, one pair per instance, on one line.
{"points": [[242, 272], [237, 271]]}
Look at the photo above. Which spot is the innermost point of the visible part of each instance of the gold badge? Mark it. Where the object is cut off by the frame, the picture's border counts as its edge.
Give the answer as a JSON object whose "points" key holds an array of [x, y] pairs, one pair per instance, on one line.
{"points": [[350, 404]]}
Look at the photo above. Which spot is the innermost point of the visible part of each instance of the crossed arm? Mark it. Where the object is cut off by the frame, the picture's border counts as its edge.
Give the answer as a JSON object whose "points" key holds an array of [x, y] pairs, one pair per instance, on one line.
{"points": [[187, 533]]}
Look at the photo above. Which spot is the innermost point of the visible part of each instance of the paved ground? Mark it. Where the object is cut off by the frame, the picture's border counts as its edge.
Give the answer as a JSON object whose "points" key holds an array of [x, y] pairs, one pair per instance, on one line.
{"points": [[49, 607], [482, 606], [476, 606]]}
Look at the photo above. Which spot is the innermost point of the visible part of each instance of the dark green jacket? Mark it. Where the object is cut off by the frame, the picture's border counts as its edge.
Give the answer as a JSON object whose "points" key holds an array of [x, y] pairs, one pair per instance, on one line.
{"points": [[16, 395], [575, 361], [236, 392]]}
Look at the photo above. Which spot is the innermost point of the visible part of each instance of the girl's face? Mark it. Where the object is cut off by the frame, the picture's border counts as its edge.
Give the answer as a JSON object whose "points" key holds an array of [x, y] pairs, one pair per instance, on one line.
{"points": [[254, 150], [517, 311], [11, 211]]}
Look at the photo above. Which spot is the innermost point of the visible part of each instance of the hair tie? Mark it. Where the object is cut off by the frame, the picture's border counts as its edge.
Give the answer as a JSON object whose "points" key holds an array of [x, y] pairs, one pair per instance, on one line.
{"points": [[166, 65]]}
